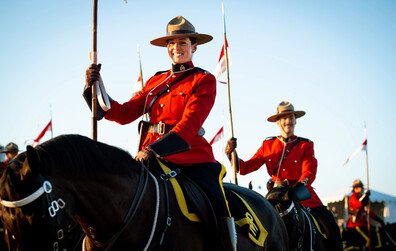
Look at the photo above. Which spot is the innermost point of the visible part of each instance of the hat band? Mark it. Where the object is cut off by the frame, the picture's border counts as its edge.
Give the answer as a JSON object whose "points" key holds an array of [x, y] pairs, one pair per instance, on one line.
{"points": [[285, 111], [178, 32]]}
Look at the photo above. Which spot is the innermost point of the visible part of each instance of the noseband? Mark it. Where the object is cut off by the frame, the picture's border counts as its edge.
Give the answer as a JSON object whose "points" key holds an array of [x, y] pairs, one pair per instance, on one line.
{"points": [[54, 205]]}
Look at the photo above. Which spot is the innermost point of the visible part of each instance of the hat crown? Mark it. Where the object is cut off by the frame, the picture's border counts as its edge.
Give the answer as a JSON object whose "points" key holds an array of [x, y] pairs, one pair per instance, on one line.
{"points": [[179, 25], [284, 106], [357, 183], [11, 147]]}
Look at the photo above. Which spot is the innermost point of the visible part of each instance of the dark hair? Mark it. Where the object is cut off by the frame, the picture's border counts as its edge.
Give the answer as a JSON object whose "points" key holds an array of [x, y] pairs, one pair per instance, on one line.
{"points": [[193, 40]]}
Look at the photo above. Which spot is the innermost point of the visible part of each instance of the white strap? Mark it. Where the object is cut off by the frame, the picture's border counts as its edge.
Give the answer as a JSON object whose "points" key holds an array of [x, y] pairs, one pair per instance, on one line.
{"points": [[103, 98], [287, 210], [47, 187]]}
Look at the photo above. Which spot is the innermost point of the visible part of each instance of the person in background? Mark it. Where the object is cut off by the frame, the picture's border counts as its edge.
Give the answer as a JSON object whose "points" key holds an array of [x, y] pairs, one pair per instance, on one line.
{"points": [[11, 150], [2, 157], [291, 158], [357, 207], [178, 102]]}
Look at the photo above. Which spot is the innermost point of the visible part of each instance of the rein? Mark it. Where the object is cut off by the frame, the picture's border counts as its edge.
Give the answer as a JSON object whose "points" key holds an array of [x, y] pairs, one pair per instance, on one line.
{"points": [[300, 218], [142, 185]]}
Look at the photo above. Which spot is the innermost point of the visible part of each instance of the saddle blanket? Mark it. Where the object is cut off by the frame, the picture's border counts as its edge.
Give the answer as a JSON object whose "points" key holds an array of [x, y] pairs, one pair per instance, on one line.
{"points": [[240, 209]]}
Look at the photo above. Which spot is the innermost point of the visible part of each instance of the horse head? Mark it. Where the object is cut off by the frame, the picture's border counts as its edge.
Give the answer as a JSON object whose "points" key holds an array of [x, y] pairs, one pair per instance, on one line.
{"points": [[283, 198], [26, 208]]}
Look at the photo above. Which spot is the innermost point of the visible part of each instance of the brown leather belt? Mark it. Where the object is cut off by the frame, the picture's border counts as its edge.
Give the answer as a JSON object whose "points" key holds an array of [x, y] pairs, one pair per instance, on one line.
{"points": [[161, 128]]}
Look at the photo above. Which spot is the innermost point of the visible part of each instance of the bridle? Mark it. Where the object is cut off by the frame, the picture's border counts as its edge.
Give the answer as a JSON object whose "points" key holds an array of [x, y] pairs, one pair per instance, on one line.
{"points": [[54, 205], [300, 218]]}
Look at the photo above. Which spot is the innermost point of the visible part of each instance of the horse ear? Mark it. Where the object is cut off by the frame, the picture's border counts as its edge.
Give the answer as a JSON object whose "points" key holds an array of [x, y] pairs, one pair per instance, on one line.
{"points": [[32, 158]]}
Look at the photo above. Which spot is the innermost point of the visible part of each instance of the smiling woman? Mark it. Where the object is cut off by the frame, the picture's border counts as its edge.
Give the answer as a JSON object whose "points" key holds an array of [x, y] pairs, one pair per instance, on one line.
{"points": [[178, 102]]}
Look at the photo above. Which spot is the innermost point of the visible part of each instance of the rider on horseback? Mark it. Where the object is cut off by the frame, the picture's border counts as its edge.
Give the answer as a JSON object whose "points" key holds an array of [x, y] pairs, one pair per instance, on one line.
{"points": [[291, 158], [178, 101]]}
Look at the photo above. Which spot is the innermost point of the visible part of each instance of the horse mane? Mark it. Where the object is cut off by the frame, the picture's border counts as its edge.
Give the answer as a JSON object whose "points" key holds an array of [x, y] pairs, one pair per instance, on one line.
{"points": [[79, 155]]}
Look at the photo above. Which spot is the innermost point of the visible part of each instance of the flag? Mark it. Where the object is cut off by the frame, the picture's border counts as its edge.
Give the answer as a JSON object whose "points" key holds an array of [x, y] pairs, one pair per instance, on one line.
{"points": [[217, 137], [362, 147], [222, 64], [137, 87], [47, 127]]}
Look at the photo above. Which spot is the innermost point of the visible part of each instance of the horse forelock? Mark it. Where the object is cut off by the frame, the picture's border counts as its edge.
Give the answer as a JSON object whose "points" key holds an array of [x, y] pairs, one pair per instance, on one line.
{"points": [[79, 155]]}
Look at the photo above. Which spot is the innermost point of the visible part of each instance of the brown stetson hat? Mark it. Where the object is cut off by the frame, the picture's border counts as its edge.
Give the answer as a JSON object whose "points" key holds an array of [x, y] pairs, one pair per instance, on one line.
{"points": [[285, 108], [10, 147], [180, 27], [357, 183]]}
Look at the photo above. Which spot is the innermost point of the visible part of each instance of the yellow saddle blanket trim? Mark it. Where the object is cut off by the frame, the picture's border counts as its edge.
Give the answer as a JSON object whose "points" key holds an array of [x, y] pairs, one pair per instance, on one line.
{"points": [[255, 226], [181, 200], [317, 226]]}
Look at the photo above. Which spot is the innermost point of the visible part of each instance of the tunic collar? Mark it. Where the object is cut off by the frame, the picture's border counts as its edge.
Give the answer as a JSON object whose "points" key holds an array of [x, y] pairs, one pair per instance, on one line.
{"points": [[287, 140], [182, 67]]}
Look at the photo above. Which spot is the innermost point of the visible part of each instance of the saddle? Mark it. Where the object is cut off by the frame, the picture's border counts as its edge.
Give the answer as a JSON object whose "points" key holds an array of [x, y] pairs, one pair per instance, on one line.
{"points": [[196, 206]]}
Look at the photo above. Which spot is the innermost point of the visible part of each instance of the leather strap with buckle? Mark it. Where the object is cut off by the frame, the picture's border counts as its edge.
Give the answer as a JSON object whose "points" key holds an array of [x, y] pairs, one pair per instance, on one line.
{"points": [[161, 128]]}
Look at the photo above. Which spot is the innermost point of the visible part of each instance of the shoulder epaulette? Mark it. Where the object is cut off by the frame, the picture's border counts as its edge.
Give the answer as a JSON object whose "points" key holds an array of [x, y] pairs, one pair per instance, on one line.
{"points": [[308, 140], [160, 72], [269, 138], [201, 70]]}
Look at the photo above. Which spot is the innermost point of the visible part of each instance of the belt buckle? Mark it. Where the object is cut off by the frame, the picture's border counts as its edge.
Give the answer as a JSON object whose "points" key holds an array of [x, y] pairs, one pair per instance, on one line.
{"points": [[161, 128]]}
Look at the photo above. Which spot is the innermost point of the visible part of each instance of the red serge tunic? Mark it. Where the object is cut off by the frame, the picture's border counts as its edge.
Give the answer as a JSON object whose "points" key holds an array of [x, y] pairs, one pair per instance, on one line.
{"points": [[298, 164], [186, 106], [357, 209]]}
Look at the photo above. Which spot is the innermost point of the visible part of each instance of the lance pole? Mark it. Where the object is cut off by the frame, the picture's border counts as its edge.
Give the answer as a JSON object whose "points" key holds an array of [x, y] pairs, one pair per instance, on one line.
{"points": [[234, 158], [52, 122], [141, 72], [141, 124], [94, 60], [368, 188]]}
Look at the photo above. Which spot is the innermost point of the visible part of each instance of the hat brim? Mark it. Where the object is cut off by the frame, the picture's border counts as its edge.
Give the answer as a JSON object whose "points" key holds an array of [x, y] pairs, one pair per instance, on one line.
{"points": [[162, 41], [275, 117]]}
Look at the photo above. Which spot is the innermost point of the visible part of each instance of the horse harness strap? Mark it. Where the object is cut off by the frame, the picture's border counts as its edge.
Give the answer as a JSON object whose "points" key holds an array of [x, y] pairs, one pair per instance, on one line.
{"points": [[142, 185], [165, 178], [284, 155], [168, 86]]}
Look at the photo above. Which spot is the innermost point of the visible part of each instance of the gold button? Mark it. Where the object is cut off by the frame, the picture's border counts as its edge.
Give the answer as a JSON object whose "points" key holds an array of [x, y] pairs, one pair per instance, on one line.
{"points": [[162, 105], [284, 170], [269, 159], [173, 76], [180, 93], [150, 93], [295, 161], [168, 90]]}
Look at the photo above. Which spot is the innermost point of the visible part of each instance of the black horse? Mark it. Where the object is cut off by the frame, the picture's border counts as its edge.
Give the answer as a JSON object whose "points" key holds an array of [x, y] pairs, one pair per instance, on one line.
{"points": [[382, 238], [301, 227], [116, 200]]}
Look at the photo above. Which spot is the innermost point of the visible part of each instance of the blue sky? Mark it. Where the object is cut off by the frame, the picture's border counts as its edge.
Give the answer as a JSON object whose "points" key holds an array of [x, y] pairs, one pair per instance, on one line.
{"points": [[333, 59]]}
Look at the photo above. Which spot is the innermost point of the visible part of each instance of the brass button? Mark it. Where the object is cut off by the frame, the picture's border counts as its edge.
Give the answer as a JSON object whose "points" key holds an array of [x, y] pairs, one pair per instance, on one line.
{"points": [[269, 159], [173, 76], [284, 170], [162, 105], [150, 93], [295, 161]]}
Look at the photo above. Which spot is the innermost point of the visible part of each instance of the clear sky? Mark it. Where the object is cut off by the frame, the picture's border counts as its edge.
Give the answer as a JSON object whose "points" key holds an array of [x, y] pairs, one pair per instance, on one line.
{"points": [[333, 59]]}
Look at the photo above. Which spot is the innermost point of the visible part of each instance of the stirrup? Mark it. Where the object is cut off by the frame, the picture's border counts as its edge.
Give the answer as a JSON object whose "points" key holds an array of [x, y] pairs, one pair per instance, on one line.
{"points": [[229, 234]]}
